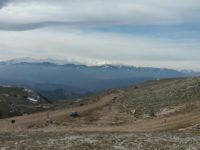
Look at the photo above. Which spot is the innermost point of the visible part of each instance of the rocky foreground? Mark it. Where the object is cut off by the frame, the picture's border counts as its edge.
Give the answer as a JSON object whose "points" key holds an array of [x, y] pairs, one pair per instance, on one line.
{"points": [[100, 141]]}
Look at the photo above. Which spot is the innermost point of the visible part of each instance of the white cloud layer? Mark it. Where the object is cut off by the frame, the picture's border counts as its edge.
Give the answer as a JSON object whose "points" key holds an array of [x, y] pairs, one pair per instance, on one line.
{"points": [[100, 48], [19, 17]]}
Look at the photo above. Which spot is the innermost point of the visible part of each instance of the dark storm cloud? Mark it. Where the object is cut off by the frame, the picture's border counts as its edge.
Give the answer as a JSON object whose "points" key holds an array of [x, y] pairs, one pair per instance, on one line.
{"points": [[32, 14], [3, 3], [37, 25], [32, 26]]}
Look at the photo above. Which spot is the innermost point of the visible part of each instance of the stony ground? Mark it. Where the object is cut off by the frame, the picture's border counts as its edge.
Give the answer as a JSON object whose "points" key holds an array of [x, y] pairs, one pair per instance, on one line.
{"points": [[100, 141]]}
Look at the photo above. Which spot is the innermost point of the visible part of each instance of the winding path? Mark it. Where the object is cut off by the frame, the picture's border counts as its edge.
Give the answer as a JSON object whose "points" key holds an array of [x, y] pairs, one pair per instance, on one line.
{"points": [[177, 121]]}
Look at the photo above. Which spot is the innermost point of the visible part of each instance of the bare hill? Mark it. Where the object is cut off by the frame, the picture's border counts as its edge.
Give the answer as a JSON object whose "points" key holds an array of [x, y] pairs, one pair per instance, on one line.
{"points": [[147, 101], [143, 107], [162, 114], [16, 101]]}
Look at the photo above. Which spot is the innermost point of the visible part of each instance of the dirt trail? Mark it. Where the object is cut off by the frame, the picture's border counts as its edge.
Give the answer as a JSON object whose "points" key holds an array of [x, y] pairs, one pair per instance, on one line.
{"points": [[177, 121], [24, 122], [158, 124]]}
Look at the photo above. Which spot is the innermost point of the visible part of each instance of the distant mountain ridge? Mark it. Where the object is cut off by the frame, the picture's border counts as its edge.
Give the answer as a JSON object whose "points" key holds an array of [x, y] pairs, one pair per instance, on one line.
{"points": [[33, 60], [70, 80], [70, 62]]}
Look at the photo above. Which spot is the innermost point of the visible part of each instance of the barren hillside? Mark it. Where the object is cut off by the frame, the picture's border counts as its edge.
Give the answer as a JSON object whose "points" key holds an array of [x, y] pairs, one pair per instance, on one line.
{"points": [[162, 114], [16, 101]]}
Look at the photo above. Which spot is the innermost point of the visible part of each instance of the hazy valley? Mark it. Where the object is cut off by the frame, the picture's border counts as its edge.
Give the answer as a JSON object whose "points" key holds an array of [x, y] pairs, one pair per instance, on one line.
{"points": [[66, 81]]}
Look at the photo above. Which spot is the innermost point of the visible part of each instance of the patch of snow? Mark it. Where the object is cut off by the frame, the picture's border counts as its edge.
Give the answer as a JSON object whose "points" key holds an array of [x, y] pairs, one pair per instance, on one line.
{"points": [[28, 90], [32, 99]]}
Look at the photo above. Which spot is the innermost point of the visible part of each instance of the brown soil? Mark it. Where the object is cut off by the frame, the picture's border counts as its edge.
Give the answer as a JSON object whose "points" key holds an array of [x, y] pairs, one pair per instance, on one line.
{"points": [[176, 121]]}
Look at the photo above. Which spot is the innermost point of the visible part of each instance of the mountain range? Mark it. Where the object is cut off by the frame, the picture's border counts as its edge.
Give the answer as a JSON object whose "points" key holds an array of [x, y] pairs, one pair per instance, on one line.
{"points": [[63, 79]]}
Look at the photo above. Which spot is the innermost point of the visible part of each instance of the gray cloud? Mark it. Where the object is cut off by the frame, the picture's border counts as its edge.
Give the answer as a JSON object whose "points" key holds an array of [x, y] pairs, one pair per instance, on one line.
{"points": [[3, 3], [32, 26], [33, 14], [37, 25]]}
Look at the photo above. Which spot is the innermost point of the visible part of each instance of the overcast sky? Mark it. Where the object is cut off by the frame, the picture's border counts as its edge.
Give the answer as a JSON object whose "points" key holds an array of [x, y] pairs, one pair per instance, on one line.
{"points": [[151, 33]]}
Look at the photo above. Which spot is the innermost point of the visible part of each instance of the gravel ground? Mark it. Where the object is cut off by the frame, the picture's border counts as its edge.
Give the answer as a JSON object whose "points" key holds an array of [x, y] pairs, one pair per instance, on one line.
{"points": [[100, 141]]}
